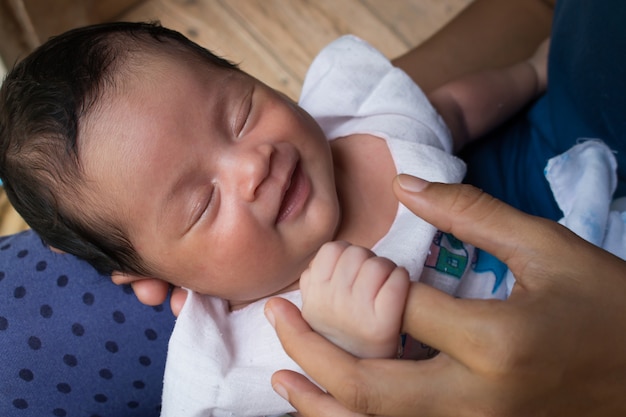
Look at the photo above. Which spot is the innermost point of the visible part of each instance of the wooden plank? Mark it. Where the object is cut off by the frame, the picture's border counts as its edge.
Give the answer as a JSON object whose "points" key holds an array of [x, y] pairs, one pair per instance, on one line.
{"points": [[414, 21], [24, 24], [353, 17], [296, 30], [53, 17], [211, 25], [272, 23], [275, 40]]}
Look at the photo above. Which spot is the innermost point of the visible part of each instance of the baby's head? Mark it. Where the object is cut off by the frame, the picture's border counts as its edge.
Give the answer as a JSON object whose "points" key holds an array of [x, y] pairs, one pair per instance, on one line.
{"points": [[130, 146]]}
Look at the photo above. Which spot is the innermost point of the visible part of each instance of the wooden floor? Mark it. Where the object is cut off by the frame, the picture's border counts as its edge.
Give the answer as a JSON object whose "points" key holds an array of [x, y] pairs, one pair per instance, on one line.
{"points": [[275, 40]]}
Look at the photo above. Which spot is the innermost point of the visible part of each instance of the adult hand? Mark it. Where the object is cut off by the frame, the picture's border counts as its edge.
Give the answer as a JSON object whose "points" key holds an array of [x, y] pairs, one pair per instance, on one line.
{"points": [[556, 347], [152, 291]]}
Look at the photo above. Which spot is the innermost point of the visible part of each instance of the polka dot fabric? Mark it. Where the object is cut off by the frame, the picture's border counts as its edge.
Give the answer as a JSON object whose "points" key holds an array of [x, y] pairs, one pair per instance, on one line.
{"points": [[72, 343]]}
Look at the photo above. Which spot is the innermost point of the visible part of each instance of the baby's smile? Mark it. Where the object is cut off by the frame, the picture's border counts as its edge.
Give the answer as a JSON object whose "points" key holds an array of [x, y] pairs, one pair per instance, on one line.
{"points": [[295, 194]]}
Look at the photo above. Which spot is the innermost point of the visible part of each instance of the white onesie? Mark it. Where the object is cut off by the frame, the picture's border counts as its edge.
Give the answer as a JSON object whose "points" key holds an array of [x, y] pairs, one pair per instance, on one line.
{"points": [[220, 362]]}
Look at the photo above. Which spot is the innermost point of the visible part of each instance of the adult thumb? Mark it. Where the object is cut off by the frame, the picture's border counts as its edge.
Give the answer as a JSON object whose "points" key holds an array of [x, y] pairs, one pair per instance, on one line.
{"points": [[477, 218]]}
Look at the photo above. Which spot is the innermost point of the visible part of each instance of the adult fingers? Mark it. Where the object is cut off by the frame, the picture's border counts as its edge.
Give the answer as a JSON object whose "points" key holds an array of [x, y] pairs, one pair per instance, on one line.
{"points": [[150, 291], [467, 330], [530, 246], [297, 337], [376, 386], [177, 299], [478, 218], [154, 292], [306, 397], [544, 257], [421, 392]]}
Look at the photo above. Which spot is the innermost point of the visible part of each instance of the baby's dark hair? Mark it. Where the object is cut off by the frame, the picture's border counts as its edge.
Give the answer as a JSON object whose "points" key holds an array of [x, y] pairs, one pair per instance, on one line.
{"points": [[43, 100]]}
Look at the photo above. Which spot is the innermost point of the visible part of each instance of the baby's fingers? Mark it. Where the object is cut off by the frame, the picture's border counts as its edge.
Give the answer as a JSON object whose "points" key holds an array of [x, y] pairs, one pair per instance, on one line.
{"points": [[370, 278], [379, 292], [386, 387], [322, 266]]}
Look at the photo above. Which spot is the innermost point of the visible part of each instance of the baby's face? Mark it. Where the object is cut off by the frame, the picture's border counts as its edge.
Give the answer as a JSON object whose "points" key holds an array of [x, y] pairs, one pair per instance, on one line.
{"points": [[225, 185]]}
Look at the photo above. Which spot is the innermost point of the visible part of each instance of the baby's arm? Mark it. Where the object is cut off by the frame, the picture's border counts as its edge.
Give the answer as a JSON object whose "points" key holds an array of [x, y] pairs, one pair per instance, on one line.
{"points": [[355, 299], [473, 105]]}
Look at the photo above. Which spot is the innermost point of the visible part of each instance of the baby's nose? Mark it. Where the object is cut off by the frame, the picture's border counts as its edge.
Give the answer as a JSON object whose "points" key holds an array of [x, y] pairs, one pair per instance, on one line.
{"points": [[253, 167]]}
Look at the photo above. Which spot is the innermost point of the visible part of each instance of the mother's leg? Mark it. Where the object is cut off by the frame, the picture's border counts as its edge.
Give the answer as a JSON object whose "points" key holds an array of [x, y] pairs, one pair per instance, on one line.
{"points": [[585, 99]]}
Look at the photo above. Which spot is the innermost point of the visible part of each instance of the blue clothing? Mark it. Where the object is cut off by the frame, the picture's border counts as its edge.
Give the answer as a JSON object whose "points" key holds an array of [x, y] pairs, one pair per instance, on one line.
{"points": [[586, 98], [73, 344]]}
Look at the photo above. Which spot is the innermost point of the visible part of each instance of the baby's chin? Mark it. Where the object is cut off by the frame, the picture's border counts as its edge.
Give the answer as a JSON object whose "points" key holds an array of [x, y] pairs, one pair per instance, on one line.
{"points": [[238, 305]]}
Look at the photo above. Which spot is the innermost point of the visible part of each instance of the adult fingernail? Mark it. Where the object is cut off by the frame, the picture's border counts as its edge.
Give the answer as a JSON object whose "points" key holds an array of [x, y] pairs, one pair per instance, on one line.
{"points": [[269, 315], [280, 390], [411, 183]]}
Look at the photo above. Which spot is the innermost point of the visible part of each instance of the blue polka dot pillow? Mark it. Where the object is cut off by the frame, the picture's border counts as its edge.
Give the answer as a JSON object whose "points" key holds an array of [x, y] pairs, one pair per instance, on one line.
{"points": [[72, 343]]}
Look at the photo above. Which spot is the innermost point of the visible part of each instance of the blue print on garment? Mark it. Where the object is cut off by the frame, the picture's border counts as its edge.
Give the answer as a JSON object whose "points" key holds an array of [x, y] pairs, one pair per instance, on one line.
{"points": [[486, 262]]}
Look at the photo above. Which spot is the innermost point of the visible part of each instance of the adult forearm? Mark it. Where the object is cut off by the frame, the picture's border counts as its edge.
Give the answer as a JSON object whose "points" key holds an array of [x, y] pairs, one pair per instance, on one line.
{"points": [[487, 34], [476, 103]]}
